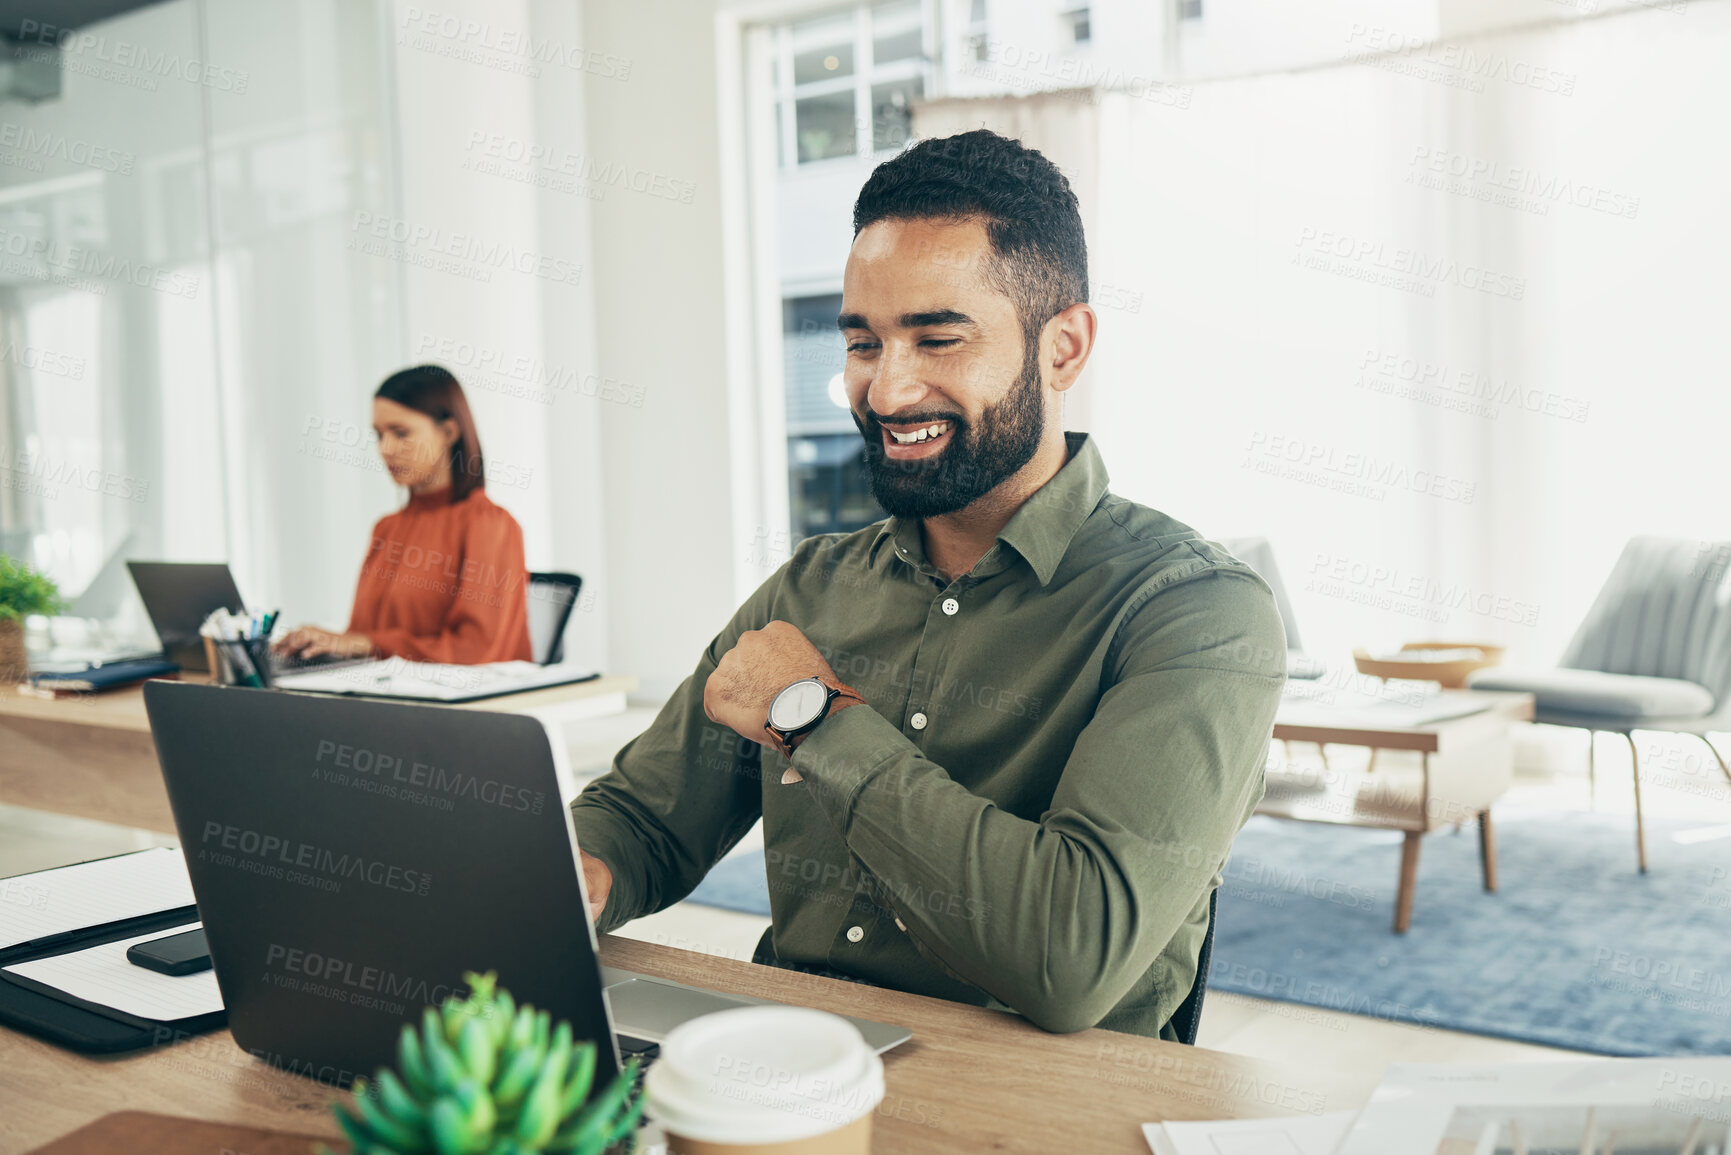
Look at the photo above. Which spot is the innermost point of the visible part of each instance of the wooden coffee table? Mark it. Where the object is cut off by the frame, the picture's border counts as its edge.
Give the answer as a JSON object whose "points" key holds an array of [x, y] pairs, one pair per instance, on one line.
{"points": [[1465, 764]]}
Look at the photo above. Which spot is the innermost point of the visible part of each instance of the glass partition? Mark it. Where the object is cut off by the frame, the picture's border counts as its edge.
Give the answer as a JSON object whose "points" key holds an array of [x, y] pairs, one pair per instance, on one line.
{"points": [[177, 305]]}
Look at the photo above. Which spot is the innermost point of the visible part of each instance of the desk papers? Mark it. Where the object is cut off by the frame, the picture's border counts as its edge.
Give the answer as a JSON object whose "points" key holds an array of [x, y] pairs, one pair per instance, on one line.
{"points": [[70, 898], [102, 975]]}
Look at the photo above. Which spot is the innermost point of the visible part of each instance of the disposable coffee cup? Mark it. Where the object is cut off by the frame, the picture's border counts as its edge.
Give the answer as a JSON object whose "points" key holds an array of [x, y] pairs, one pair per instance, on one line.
{"points": [[765, 1081]]}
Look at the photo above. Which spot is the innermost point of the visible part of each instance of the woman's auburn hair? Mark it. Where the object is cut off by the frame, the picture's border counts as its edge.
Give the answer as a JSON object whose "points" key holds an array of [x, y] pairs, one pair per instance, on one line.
{"points": [[431, 389]]}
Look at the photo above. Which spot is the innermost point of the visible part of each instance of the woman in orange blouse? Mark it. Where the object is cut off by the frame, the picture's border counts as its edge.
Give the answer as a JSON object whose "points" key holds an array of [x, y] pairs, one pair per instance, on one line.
{"points": [[444, 579]]}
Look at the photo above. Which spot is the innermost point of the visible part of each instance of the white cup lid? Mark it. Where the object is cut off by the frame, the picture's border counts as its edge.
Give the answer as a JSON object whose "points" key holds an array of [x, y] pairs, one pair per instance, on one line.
{"points": [[767, 1074]]}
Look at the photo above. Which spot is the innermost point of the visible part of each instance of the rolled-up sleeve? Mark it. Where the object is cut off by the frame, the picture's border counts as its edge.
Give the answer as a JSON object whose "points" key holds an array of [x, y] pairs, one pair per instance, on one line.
{"points": [[679, 796]]}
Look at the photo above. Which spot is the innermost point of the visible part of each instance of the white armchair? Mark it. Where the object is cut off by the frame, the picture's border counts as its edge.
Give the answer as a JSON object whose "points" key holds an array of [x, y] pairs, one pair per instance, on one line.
{"points": [[1654, 653]]}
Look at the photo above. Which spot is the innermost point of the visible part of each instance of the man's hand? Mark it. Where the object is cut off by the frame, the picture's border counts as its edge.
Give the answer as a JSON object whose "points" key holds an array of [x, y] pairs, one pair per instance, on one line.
{"points": [[761, 665], [598, 881]]}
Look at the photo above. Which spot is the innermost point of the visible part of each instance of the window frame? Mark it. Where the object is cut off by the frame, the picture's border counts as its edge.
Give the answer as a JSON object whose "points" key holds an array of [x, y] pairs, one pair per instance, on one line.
{"points": [[867, 74]]}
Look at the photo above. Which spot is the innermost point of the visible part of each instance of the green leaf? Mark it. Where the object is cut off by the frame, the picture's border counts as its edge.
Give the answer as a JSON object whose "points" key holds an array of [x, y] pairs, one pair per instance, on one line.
{"points": [[383, 1127], [444, 1063], [582, 1077], [475, 1046], [515, 1080], [504, 1012], [23, 591], [543, 1029], [352, 1127], [478, 1110], [450, 1128], [598, 1119], [399, 1104], [539, 1118], [413, 1064], [522, 1029], [627, 1122]]}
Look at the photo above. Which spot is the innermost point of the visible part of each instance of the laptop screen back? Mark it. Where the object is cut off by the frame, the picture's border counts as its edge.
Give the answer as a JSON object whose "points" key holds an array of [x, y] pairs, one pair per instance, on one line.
{"points": [[352, 859], [178, 596]]}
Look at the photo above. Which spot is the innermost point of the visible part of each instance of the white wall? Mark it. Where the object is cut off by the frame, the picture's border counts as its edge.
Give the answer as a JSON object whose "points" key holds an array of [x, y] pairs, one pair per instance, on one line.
{"points": [[1242, 37], [1067, 132], [1258, 329], [495, 158], [306, 325], [816, 222], [668, 468]]}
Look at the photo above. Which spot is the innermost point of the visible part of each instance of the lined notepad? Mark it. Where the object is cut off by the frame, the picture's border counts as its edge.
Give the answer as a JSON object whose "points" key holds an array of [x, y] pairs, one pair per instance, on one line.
{"points": [[69, 898], [102, 975]]}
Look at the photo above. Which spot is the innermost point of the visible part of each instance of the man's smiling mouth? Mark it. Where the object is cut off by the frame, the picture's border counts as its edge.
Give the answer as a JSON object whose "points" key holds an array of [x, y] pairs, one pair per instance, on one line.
{"points": [[929, 432], [909, 442]]}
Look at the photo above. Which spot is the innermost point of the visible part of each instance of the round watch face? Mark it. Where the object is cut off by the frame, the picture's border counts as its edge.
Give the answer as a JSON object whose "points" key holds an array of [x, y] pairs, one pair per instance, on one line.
{"points": [[798, 705]]}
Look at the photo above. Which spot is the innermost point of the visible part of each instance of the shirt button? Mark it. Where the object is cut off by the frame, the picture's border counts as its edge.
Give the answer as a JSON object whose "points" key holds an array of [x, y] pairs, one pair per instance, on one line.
{"points": [[855, 933], [951, 606], [918, 721]]}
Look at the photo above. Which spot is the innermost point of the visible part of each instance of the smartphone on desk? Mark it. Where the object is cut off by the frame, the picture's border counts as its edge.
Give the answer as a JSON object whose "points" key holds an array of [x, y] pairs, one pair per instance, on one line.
{"points": [[185, 953]]}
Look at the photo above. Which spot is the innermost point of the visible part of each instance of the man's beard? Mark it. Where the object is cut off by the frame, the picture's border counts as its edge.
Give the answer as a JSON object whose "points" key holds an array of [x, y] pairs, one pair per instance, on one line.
{"points": [[976, 461]]}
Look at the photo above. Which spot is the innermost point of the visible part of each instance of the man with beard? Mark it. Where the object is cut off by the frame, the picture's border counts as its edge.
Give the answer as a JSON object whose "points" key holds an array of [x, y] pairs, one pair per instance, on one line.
{"points": [[1002, 740]]}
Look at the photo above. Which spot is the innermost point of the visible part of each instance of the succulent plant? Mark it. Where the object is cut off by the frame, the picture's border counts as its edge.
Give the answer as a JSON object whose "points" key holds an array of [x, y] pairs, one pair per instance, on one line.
{"points": [[484, 1076]]}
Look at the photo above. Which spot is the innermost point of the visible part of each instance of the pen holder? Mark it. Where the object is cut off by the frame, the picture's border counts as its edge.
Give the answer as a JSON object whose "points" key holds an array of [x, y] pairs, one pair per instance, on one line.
{"points": [[244, 663]]}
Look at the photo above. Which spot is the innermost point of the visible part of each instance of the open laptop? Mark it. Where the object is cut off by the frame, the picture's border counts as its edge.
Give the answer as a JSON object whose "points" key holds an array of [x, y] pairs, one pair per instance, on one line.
{"points": [[178, 596], [353, 858]]}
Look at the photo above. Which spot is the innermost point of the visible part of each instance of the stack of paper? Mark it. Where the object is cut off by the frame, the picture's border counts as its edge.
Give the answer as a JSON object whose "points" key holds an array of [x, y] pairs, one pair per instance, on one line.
{"points": [[1297, 1135], [103, 975], [55, 902], [39, 910], [1678, 1106], [432, 681]]}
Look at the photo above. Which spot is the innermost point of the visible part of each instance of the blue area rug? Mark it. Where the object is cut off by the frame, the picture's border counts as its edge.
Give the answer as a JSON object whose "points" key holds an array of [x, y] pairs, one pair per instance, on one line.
{"points": [[1576, 950], [738, 883]]}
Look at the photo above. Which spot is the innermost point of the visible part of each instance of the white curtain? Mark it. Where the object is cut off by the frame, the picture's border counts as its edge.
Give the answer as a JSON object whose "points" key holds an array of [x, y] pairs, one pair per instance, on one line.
{"points": [[1448, 325]]}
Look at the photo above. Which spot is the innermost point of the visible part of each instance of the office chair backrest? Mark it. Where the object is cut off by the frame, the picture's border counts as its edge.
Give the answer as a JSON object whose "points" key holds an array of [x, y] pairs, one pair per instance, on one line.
{"points": [[1256, 553], [551, 596], [1187, 1019], [1665, 612]]}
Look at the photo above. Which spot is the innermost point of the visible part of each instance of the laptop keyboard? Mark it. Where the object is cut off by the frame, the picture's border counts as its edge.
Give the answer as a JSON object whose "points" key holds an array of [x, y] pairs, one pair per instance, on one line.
{"points": [[642, 1049], [294, 663]]}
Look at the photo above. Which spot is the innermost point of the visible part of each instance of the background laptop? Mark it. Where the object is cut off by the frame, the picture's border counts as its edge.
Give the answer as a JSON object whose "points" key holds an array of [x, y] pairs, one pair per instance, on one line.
{"points": [[178, 596], [353, 858]]}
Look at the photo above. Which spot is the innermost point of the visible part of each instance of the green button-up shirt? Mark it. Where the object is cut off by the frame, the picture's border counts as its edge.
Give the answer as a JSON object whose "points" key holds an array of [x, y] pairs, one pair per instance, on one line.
{"points": [[1033, 808]]}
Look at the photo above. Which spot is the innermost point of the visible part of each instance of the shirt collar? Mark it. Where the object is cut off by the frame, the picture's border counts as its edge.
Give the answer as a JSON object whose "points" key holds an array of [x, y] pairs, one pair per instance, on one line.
{"points": [[1042, 529]]}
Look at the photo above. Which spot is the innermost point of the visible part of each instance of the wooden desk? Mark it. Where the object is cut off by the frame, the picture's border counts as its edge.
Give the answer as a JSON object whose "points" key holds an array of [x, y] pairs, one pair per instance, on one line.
{"points": [[92, 755], [971, 1079], [1466, 764]]}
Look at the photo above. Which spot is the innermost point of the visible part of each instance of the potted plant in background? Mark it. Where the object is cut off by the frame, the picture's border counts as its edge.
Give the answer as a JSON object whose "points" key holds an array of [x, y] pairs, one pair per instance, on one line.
{"points": [[23, 591], [484, 1076]]}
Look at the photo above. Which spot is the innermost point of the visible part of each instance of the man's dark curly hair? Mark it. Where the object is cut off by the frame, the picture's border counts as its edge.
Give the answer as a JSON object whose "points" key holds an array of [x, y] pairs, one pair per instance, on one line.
{"points": [[1031, 216]]}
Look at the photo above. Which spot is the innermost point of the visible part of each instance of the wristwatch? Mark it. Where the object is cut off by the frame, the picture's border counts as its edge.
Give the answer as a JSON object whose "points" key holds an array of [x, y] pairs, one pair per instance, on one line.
{"points": [[798, 709]]}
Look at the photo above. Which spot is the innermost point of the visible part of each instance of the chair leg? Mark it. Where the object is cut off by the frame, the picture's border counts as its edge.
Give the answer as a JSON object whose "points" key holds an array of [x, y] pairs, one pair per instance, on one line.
{"points": [[1592, 772], [1488, 849], [1408, 877], [1723, 768], [1640, 825]]}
